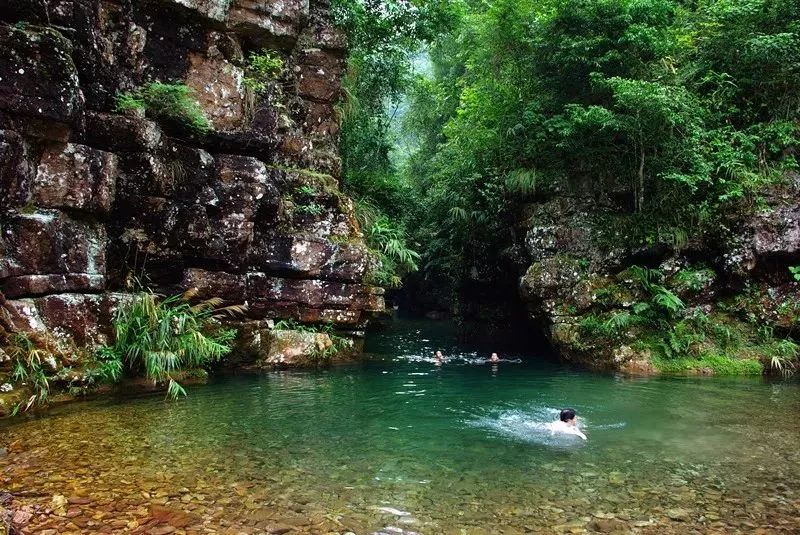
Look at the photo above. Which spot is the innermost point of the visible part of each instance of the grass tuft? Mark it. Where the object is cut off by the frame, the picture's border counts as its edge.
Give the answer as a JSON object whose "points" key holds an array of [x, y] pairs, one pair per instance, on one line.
{"points": [[169, 102]]}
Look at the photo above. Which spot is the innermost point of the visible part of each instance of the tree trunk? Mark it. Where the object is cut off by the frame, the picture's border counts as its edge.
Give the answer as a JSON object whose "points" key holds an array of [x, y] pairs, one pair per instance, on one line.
{"points": [[640, 188]]}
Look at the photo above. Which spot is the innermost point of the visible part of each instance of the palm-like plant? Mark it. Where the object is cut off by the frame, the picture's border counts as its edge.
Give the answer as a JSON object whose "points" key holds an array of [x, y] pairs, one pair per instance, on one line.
{"points": [[28, 358], [162, 336]]}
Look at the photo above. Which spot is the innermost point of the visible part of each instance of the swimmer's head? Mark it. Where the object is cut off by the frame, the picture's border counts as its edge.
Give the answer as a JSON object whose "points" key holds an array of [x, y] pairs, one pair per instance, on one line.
{"points": [[439, 354], [567, 416], [494, 357]]}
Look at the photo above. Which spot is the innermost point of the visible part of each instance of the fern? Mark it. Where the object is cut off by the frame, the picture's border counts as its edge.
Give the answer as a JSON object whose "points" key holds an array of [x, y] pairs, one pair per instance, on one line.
{"points": [[159, 337], [28, 357], [521, 182]]}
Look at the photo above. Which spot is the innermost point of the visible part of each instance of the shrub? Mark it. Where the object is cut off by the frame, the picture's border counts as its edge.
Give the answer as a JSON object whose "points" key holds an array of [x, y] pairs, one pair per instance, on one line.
{"points": [[28, 357], [168, 102], [694, 280], [159, 337], [312, 208], [389, 242], [262, 67]]}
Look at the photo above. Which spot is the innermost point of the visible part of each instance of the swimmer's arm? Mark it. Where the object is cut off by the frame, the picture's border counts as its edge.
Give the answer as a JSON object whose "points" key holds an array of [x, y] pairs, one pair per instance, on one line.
{"points": [[580, 434]]}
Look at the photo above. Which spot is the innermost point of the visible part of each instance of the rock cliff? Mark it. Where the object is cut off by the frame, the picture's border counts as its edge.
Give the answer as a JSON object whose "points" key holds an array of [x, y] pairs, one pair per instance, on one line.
{"points": [[248, 208], [618, 292]]}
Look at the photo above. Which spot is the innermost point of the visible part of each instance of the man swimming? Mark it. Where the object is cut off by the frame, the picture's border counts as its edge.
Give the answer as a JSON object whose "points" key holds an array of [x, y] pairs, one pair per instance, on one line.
{"points": [[567, 424], [439, 358]]}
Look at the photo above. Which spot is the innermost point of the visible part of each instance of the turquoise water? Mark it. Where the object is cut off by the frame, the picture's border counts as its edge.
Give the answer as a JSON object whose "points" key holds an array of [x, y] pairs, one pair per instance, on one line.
{"points": [[398, 443]]}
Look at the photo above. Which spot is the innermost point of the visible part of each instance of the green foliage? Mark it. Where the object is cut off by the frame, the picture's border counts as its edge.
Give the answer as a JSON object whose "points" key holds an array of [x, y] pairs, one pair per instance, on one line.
{"points": [[682, 105], [390, 244], [662, 325], [662, 301], [783, 353], [694, 280], [385, 37], [173, 103], [27, 360], [306, 190], [688, 108], [262, 67], [311, 208], [159, 337], [717, 364], [795, 271]]}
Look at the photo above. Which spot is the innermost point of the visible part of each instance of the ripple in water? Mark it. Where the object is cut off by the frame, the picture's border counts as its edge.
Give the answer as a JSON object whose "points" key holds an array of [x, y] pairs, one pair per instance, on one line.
{"points": [[533, 425]]}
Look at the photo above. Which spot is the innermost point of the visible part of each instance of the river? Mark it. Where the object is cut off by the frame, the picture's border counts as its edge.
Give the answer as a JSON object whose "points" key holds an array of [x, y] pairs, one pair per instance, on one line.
{"points": [[399, 445]]}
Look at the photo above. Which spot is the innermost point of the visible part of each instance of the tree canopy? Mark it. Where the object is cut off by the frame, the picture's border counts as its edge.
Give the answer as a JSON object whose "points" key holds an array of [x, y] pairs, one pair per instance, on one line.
{"points": [[683, 109]]}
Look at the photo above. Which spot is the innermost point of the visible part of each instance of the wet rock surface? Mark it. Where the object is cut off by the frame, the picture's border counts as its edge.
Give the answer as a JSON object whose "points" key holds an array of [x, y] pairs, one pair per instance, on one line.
{"points": [[90, 196], [580, 248]]}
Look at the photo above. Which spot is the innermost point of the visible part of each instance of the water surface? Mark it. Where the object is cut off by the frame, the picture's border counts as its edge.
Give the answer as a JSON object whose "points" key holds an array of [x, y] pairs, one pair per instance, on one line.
{"points": [[399, 444]]}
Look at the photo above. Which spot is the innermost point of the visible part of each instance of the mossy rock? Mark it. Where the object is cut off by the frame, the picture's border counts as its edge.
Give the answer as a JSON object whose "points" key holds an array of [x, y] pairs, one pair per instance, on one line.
{"points": [[9, 400], [710, 364]]}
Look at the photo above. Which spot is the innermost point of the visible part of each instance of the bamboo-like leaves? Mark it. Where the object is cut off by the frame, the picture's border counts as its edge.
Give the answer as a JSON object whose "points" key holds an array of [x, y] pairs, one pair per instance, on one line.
{"points": [[162, 336]]}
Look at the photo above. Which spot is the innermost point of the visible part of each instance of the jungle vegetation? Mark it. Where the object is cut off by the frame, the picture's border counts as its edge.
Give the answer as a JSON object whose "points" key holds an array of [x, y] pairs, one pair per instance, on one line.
{"points": [[688, 107], [461, 112]]}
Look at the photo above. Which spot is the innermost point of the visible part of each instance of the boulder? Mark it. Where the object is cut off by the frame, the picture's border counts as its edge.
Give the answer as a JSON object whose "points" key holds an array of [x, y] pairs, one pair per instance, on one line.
{"points": [[219, 89], [321, 32], [310, 257], [176, 172], [241, 183], [81, 319], [297, 348], [16, 171], [309, 298], [215, 10], [232, 288], [121, 133], [268, 23], [76, 177], [318, 83], [49, 242], [28, 285], [37, 75]]}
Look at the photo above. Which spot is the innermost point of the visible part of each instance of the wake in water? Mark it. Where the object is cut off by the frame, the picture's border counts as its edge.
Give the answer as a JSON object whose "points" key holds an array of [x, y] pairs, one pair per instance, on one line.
{"points": [[533, 426]]}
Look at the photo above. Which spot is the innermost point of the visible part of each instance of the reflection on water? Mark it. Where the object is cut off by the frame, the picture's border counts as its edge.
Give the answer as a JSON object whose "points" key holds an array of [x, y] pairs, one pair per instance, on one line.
{"points": [[402, 444]]}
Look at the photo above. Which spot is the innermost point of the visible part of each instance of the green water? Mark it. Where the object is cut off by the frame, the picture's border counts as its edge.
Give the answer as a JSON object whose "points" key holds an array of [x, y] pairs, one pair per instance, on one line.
{"points": [[401, 444]]}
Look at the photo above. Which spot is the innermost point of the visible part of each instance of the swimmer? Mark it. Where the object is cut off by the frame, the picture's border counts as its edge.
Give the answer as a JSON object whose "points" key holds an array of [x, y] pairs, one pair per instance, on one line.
{"points": [[439, 358], [567, 424], [494, 358]]}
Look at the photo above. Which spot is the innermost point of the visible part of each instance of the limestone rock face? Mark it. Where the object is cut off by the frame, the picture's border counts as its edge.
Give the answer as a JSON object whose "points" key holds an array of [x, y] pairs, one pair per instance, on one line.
{"points": [[75, 177], [250, 211], [267, 21], [38, 77], [579, 286]]}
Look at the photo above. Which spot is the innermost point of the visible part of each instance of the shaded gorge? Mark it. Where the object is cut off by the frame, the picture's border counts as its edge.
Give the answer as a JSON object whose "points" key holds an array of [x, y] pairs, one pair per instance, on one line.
{"points": [[397, 443]]}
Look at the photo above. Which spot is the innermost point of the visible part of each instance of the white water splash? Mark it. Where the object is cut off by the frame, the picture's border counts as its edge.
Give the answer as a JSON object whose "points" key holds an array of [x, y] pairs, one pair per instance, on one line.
{"points": [[533, 425]]}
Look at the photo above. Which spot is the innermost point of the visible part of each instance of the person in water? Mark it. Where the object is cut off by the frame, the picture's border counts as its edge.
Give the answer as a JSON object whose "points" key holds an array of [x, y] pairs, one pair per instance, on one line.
{"points": [[567, 424], [439, 358], [494, 358]]}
